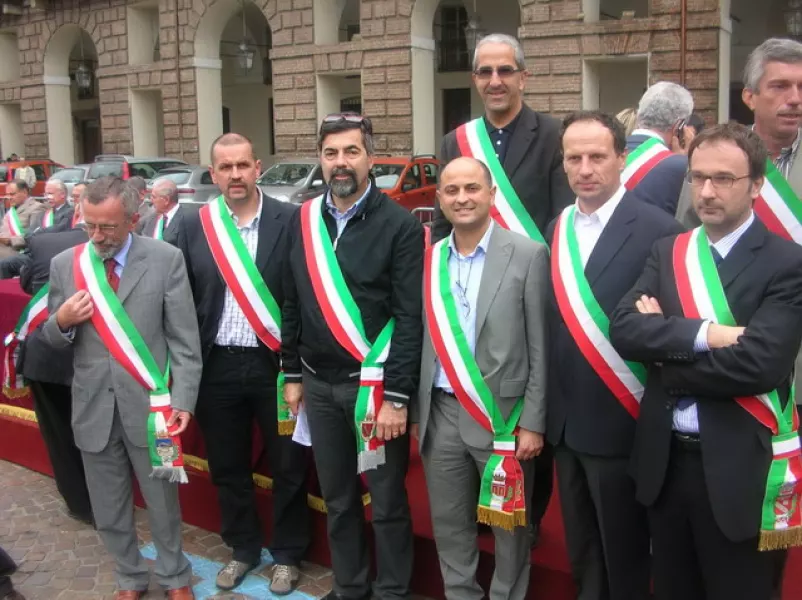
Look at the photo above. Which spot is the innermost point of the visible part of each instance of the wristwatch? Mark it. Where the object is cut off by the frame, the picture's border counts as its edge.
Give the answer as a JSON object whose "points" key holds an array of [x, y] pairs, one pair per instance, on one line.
{"points": [[399, 405]]}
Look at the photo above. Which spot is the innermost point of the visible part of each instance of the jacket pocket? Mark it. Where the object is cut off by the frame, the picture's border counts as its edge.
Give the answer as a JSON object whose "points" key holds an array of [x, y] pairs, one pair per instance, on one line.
{"points": [[512, 388]]}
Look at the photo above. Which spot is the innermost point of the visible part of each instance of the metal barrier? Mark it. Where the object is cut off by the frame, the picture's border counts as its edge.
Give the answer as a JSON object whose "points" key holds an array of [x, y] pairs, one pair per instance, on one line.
{"points": [[425, 214]]}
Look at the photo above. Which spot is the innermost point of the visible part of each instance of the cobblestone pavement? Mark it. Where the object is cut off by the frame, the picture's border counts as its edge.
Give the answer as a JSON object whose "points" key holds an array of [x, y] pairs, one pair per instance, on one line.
{"points": [[62, 559]]}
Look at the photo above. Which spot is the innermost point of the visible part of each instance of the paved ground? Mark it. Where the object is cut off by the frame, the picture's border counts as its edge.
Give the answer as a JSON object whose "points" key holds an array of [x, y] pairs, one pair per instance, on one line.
{"points": [[62, 559]]}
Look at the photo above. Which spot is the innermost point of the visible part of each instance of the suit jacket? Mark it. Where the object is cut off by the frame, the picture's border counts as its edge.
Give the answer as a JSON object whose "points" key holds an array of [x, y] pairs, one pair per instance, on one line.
{"points": [[144, 211], [208, 287], [37, 360], [534, 165], [62, 220], [155, 292], [662, 186], [174, 226], [510, 337], [582, 411], [30, 214], [762, 279]]}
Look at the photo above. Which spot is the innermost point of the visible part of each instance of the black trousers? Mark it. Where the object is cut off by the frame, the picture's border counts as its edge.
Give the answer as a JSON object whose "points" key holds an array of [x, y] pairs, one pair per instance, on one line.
{"points": [[330, 409], [12, 266], [544, 484], [692, 558], [52, 404], [238, 388], [606, 529], [7, 568]]}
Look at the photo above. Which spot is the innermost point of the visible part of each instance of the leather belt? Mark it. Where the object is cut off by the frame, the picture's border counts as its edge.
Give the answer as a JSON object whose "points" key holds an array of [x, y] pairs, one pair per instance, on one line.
{"points": [[686, 441], [237, 349], [446, 392]]}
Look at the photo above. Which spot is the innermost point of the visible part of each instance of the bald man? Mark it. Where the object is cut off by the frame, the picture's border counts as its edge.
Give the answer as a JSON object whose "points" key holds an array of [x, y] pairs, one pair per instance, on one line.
{"points": [[497, 288], [166, 220]]}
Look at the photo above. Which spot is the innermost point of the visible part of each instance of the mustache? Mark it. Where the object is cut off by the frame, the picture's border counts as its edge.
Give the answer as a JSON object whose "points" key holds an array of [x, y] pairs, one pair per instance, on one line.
{"points": [[343, 171]]}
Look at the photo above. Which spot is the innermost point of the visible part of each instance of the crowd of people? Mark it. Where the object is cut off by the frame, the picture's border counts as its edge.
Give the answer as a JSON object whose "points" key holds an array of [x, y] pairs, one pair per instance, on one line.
{"points": [[627, 307]]}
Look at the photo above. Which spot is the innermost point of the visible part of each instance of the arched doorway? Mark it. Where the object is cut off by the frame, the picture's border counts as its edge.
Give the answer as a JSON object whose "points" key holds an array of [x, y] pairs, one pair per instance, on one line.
{"points": [[71, 96], [443, 96], [234, 76]]}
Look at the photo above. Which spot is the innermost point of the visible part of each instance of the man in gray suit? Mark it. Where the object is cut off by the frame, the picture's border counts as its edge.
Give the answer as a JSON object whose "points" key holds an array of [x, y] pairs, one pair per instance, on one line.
{"points": [[499, 282], [110, 408]]}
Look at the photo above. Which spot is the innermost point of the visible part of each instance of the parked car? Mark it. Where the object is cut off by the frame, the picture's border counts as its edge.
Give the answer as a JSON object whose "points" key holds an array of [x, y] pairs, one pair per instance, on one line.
{"points": [[412, 182], [293, 180], [43, 169], [124, 166], [70, 176], [194, 182]]}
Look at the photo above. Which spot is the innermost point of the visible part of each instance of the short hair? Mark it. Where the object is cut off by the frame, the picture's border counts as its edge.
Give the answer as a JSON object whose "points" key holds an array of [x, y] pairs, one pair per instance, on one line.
{"points": [[230, 139], [488, 176], [109, 186], [501, 38], [59, 184], [697, 122], [328, 128], [171, 189], [772, 50], [22, 185], [663, 104], [743, 137], [612, 124], [138, 183]]}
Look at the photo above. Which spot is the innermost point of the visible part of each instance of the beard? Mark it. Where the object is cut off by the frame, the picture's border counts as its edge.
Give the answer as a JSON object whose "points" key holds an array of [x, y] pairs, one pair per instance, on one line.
{"points": [[343, 188], [107, 251]]}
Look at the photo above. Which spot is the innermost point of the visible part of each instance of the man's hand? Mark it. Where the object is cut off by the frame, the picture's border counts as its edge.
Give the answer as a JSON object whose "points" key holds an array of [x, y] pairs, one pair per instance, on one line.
{"points": [[5, 241], [530, 444], [391, 422], [76, 310], [648, 306], [723, 336], [293, 396], [182, 417]]}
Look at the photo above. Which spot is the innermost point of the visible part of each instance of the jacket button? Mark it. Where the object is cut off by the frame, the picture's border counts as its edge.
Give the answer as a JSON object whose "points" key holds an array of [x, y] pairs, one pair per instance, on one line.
{"points": [[111, 390], [669, 405]]}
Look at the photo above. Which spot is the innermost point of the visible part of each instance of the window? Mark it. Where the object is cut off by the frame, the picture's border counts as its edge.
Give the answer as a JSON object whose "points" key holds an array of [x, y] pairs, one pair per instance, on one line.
{"points": [[386, 176], [431, 172], [412, 179], [3, 173], [177, 177], [453, 46], [69, 175], [206, 178]]}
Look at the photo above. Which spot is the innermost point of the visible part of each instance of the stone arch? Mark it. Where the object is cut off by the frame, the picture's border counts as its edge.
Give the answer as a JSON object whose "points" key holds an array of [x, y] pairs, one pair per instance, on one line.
{"points": [[216, 14], [61, 41]]}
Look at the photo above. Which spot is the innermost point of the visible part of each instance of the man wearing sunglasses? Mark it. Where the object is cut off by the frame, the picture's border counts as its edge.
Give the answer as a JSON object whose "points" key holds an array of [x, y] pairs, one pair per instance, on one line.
{"points": [[351, 342]]}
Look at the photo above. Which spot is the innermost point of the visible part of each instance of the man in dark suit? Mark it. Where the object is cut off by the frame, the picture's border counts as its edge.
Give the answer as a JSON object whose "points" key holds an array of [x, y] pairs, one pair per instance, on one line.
{"points": [[166, 220], [48, 371], [527, 163], [701, 458], [240, 363], [662, 113], [591, 420]]}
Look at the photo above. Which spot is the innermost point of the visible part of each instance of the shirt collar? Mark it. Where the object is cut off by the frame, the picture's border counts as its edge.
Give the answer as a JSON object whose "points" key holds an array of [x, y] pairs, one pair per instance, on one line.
{"points": [[649, 133], [482, 245], [171, 213], [725, 244], [793, 147], [606, 210], [122, 253], [509, 127], [351, 211], [254, 223]]}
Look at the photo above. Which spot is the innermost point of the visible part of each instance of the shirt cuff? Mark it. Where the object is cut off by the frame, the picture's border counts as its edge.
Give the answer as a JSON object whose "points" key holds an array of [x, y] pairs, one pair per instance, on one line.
{"points": [[700, 343], [69, 335]]}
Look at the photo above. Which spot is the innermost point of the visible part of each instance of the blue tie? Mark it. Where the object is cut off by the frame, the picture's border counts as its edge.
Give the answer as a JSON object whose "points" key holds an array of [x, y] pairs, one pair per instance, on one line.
{"points": [[686, 401]]}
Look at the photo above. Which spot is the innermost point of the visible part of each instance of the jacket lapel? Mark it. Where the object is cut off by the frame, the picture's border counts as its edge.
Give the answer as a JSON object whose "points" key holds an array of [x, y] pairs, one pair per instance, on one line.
{"points": [[268, 232], [742, 254], [499, 252], [612, 239], [175, 222], [133, 271], [795, 175], [522, 137]]}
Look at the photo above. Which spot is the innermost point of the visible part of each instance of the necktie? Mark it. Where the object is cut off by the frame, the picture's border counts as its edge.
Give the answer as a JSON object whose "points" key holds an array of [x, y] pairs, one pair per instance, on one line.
{"points": [[111, 275]]}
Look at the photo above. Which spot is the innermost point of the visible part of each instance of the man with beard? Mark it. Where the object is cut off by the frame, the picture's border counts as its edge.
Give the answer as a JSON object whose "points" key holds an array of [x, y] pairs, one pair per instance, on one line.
{"points": [[351, 342], [236, 249], [124, 304]]}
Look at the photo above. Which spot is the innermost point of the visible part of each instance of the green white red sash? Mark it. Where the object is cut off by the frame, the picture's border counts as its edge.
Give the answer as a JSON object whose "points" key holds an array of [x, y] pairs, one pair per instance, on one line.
{"points": [[34, 313], [48, 218], [586, 320], [249, 289], [778, 206], [125, 344], [344, 320], [158, 228], [501, 498], [508, 211], [642, 160], [702, 297], [13, 223]]}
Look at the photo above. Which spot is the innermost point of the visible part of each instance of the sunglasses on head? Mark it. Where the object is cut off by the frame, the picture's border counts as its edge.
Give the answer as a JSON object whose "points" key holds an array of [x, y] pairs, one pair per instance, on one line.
{"points": [[349, 117], [502, 71]]}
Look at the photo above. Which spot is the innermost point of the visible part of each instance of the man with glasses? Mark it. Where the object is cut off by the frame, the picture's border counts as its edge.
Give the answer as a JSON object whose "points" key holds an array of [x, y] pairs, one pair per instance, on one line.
{"points": [[351, 340], [165, 222], [716, 316], [24, 215], [130, 399]]}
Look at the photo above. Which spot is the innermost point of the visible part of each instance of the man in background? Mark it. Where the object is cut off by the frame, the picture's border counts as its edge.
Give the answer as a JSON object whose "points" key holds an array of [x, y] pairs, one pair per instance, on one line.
{"points": [[24, 215], [165, 221]]}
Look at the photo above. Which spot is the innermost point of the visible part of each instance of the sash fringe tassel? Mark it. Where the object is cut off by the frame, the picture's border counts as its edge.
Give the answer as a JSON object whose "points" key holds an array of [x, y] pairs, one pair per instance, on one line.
{"points": [[495, 518], [15, 393], [171, 474], [286, 427], [780, 539]]}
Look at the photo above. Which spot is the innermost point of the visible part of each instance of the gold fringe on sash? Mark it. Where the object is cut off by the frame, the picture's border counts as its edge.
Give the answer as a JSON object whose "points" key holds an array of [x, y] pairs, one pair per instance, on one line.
{"points": [[495, 518], [780, 539], [286, 427], [15, 393]]}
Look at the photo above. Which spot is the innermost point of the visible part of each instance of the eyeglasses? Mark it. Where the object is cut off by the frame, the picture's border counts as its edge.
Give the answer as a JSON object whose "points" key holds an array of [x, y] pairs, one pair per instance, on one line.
{"points": [[503, 71], [349, 117], [104, 229], [722, 181]]}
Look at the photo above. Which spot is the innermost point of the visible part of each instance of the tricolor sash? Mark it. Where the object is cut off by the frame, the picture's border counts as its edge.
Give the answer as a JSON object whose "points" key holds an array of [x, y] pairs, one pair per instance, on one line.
{"points": [[501, 498], [587, 322], [642, 160], [508, 210], [48, 218], [249, 289], [13, 223], [344, 320], [158, 228], [702, 297], [34, 313], [778, 206], [125, 344]]}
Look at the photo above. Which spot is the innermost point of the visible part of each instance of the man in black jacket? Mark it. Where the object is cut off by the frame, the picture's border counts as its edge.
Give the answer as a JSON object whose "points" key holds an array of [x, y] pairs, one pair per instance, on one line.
{"points": [[718, 318], [356, 269], [245, 234]]}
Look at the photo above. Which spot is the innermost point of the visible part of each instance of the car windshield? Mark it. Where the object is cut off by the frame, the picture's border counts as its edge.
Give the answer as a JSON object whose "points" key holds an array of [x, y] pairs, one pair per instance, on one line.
{"points": [[290, 174], [102, 169], [69, 175], [177, 177], [3, 173], [386, 176]]}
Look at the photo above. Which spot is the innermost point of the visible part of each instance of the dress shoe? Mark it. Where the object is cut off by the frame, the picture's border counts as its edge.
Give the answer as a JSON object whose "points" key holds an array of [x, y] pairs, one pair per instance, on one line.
{"points": [[130, 594], [184, 593], [233, 573], [13, 595], [332, 595]]}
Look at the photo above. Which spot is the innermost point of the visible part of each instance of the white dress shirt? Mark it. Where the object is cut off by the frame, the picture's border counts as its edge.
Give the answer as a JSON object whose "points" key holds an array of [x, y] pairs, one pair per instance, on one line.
{"points": [[168, 216], [589, 228]]}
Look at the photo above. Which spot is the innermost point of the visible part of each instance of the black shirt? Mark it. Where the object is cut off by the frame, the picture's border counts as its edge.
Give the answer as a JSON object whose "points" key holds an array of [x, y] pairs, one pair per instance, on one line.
{"points": [[501, 137]]}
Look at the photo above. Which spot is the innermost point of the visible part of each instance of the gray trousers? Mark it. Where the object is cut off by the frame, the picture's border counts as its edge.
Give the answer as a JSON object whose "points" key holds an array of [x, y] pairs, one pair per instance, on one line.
{"points": [[453, 473], [108, 476]]}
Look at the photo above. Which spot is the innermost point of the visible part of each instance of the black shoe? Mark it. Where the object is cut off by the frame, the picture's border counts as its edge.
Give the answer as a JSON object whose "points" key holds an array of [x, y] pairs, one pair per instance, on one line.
{"points": [[86, 520], [332, 595]]}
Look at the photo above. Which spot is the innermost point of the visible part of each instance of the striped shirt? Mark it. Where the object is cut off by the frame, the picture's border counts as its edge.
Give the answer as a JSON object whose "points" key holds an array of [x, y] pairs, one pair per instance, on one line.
{"points": [[786, 157]]}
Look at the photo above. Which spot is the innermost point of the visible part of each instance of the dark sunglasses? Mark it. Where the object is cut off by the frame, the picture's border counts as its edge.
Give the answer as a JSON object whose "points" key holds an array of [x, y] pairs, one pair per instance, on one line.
{"points": [[503, 71], [349, 117]]}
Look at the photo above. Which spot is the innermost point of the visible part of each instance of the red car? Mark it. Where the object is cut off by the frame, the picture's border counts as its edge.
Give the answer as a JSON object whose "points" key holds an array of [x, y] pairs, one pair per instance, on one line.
{"points": [[412, 182], [43, 169]]}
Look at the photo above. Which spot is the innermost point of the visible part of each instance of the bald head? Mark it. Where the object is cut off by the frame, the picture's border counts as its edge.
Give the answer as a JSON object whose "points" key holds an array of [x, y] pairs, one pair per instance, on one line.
{"points": [[463, 162], [164, 196], [466, 194], [231, 139]]}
